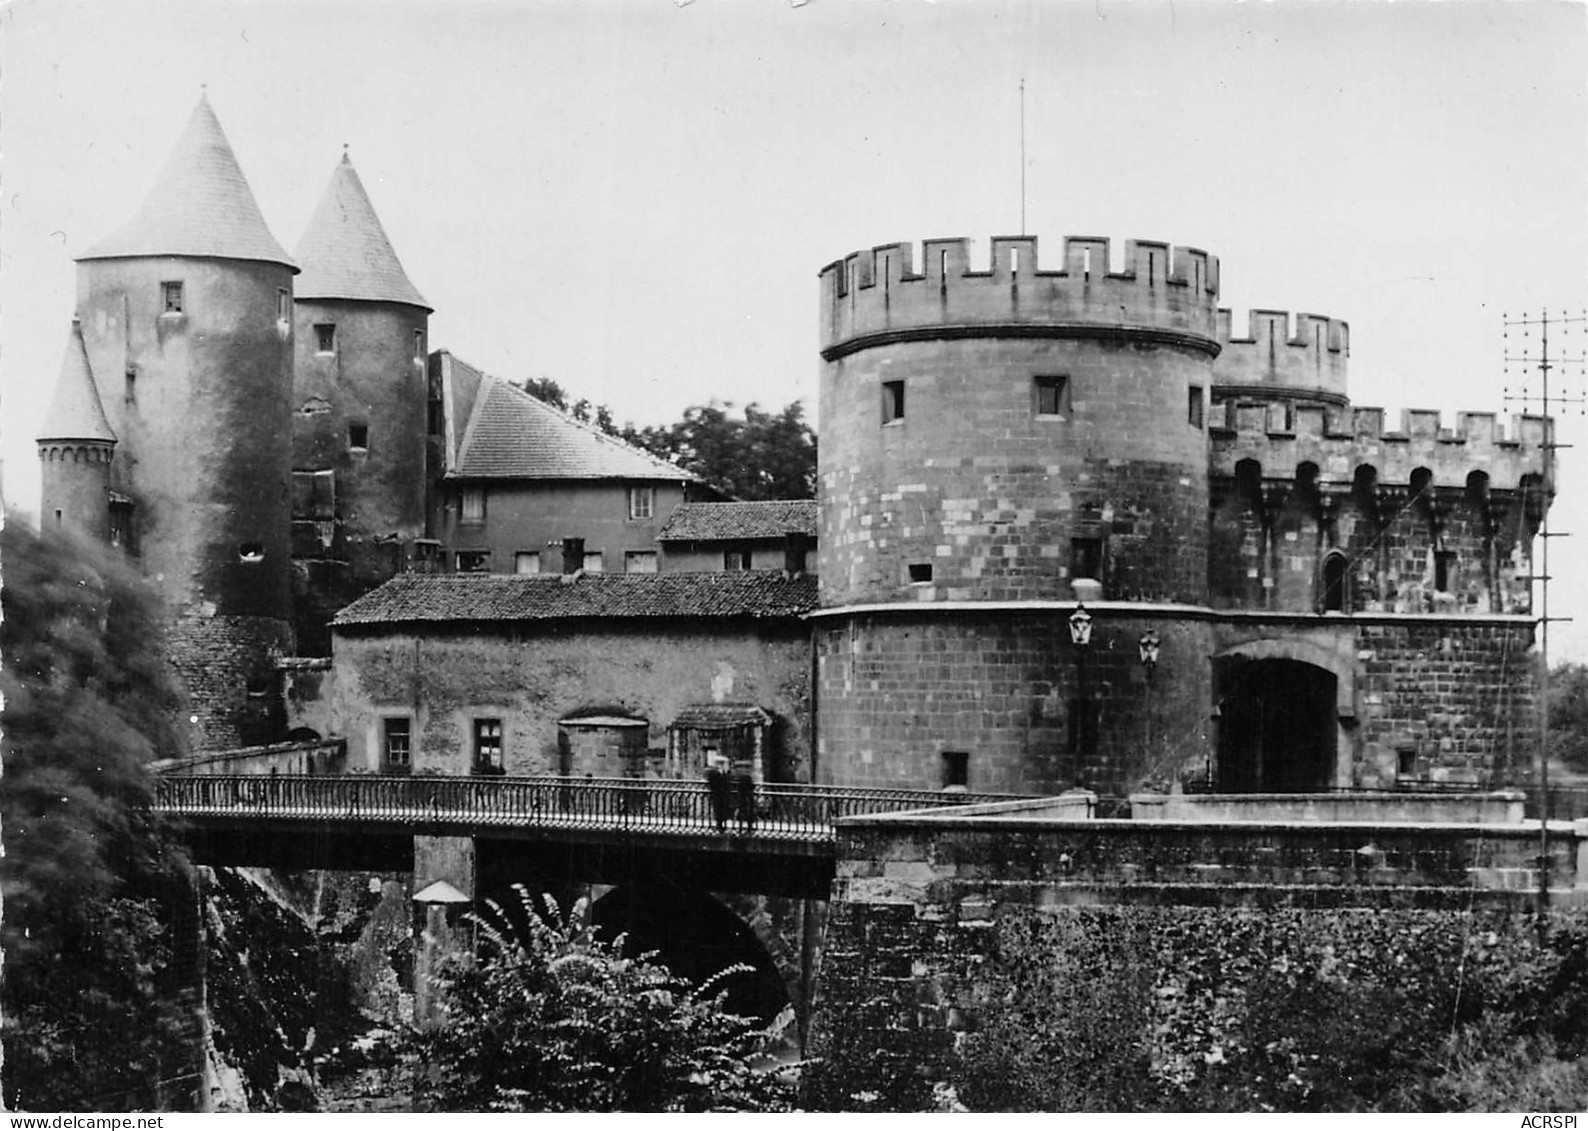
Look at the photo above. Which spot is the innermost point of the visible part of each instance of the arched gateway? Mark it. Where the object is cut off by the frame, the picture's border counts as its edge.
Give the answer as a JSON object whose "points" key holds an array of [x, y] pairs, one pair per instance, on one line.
{"points": [[1282, 711]]}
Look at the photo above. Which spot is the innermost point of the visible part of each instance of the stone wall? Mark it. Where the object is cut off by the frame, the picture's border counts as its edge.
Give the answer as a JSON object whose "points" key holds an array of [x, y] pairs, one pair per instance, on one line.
{"points": [[1110, 966]]}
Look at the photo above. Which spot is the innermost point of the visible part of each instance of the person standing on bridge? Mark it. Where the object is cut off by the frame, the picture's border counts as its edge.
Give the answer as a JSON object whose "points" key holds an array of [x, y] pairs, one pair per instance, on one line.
{"points": [[717, 787], [744, 794]]}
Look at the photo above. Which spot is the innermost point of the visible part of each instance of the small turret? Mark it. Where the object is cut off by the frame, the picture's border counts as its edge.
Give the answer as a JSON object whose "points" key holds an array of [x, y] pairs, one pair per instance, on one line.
{"points": [[76, 445]]}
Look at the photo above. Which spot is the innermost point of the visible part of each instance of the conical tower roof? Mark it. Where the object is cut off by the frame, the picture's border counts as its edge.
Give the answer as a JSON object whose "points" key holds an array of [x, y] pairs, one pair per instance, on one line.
{"points": [[344, 252], [200, 206], [76, 413]]}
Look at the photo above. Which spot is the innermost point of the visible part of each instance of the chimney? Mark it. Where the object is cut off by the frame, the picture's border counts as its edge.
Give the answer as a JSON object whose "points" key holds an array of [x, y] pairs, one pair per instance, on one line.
{"points": [[572, 555], [796, 545]]}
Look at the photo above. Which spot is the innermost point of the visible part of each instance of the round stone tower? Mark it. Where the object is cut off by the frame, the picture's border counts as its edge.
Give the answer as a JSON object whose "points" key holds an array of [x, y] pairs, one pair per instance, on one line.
{"points": [[187, 321], [358, 440], [76, 446], [999, 447]]}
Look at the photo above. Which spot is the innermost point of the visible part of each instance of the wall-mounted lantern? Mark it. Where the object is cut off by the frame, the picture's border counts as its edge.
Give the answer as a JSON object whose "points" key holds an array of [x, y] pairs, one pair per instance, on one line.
{"points": [[1148, 651], [1080, 627]]}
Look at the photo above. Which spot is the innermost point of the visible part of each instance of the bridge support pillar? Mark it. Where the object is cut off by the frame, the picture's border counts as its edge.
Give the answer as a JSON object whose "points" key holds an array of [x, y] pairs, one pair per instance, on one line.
{"points": [[443, 887]]}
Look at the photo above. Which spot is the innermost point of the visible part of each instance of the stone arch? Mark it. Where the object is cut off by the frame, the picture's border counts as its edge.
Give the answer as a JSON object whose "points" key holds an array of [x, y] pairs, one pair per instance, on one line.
{"points": [[1336, 582], [1340, 668], [698, 935]]}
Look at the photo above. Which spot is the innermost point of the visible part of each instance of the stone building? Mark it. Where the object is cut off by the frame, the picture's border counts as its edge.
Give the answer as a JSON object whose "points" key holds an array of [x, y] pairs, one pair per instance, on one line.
{"points": [[1282, 595]]}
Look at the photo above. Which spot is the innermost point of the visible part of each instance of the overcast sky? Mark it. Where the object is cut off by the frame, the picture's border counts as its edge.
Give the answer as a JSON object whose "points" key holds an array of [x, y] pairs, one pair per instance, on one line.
{"points": [[634, 198]]}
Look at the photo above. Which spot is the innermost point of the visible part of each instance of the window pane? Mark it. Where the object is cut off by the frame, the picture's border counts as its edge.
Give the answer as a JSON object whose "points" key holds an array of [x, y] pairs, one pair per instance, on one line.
{"points": [[642, 502], [526, 561], [472, 505], [593, 562]]}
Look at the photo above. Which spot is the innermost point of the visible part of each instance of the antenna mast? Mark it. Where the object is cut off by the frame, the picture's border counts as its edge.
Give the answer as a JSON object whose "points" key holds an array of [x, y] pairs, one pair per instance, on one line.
{"points": [[1022, 155], [1527, 359]]}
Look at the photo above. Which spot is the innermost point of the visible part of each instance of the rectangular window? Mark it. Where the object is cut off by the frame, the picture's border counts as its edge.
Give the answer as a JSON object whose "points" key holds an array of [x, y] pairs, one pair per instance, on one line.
{"points": [[171, 297], [474, 561], [736, 559], [487, 746], [325, 337], [593, 562], [358, 436], [956, 769], [283, 305], [1444, 570], [920, 571], [892, 401], [471, 504], [1052, 395], [1193, 406], [642, 502], [397, 746], [121, 526], [639, 561], [419, 345], [526, 561], [130, 390], [1086, 558]]}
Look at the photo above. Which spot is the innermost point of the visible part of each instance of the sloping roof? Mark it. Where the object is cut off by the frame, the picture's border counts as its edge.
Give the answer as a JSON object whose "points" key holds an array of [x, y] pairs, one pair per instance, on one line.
{"points": [[512, 435], [76, 412], [503, 598], [344, 252], [721, 716], [200, 206], [715, 522]]}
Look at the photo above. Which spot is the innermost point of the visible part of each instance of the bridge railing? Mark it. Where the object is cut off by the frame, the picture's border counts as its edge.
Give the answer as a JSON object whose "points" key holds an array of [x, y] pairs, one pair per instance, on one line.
{"points": [[780, 811]]}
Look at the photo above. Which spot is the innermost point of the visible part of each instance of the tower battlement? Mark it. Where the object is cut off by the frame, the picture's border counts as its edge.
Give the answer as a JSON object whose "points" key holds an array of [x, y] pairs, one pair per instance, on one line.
{"points": [[1281, 361], [1338, 440], [878, 294]]}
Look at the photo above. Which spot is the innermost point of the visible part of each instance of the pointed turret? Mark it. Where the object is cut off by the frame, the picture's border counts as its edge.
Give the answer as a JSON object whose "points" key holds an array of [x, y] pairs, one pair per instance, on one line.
{"points": [[344, 252], [76, 445], [76, 412], [201, 206]]}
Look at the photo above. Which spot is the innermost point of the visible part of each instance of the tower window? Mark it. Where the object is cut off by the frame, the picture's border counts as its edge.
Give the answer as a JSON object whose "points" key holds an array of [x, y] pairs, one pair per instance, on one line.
{"points": [[283, 305], [1086, 558], [419, 345], [1444, 570], [642, 502], [250, 553], [956, 769], [1053, 395], [130, 389], [358, 436], [325, 337], [487, 746], [892, 401], [171, 297], [1334, 575], [471, 504], [920, 571], [1193, 406], [397, 743]]}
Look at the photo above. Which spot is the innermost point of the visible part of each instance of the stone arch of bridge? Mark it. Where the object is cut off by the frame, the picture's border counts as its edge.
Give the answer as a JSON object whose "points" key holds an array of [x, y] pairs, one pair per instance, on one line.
{"points": [[697, 935], [1286, 716]]}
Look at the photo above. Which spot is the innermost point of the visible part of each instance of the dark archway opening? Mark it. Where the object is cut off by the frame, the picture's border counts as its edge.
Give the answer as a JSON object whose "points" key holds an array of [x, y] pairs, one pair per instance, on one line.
{"points": [[697, 937], [1276, 726]]}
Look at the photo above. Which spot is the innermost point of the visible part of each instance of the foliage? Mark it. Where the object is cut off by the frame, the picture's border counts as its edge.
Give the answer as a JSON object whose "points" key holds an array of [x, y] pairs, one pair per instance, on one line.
{"points": [[1275, 1009], [89, 875], [1568, 715], [763, 455], [552, 1018]]}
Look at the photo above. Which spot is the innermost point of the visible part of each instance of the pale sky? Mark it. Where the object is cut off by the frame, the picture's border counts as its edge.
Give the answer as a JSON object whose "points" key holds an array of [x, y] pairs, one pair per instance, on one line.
{"points": [[634, 198]]}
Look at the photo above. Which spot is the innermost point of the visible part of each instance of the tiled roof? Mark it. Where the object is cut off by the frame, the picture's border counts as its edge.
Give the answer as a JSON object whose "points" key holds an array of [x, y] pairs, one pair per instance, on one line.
{"points": [[76, 412], [440, 598], [721, 716], [511, 435], [715, 522], [344, 252], [200, 206]]}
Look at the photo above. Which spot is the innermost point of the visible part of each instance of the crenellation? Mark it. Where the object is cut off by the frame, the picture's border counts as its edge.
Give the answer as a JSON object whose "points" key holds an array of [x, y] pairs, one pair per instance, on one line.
{"points": [[1307, 362], [1160, 289]]}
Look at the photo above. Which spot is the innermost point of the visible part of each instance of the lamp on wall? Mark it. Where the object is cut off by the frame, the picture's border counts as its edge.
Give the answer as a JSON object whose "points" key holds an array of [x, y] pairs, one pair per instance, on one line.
{"points": [[1080, 627], [1147, 649]]}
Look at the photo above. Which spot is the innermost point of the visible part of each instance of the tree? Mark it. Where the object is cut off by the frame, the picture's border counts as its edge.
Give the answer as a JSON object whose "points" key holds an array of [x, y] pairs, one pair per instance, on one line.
{"points": [[90, 876], [765, 455], [1568, 715], [551, 1018]]}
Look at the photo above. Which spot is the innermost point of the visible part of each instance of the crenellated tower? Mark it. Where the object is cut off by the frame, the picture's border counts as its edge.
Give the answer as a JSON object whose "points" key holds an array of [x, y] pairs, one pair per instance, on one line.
{"points": [[995, 446], [76, 446], [187, 325], [358, 435]]}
